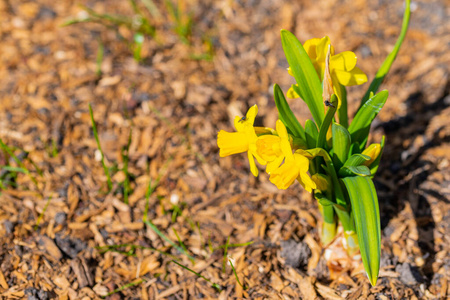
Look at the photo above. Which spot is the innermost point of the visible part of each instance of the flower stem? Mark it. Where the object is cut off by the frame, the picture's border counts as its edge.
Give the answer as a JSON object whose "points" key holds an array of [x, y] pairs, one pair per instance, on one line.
{"points": [[351, 238], [329, 223]]}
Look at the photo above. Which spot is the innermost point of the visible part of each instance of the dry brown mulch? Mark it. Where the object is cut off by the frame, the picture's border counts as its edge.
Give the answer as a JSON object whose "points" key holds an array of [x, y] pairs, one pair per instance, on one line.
{"points": [[174, 106]]}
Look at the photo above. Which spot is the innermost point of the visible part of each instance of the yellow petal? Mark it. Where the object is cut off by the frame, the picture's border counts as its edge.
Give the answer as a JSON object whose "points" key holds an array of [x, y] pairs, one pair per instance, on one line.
{"points": [[232, 142], [344, 61], [354, 77], [284, 176], [291, 93], [306, 182], [310, 47], [290, 71], [301, 162], [252, 163], [373, 151], [281, 130], [273, 165], [268, 147], [243, 124], [322, 49]]}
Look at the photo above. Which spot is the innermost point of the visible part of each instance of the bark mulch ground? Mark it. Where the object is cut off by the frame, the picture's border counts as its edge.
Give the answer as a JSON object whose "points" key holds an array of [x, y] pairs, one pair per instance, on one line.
{"points": [[63, 235]]}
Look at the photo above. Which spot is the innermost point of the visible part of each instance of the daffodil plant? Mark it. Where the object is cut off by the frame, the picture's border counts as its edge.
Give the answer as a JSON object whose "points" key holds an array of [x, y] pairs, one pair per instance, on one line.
{"points": [[328, 156]]}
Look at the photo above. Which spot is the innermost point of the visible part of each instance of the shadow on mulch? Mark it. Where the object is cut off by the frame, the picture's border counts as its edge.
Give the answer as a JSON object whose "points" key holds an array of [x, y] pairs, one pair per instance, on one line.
{"points": [[406, 166]]}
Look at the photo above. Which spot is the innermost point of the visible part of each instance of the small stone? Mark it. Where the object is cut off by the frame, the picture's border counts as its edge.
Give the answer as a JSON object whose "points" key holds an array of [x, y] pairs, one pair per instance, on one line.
{"points": [[71, 247], [296, 254], [60, 218], [409, 275], [9, 226]]}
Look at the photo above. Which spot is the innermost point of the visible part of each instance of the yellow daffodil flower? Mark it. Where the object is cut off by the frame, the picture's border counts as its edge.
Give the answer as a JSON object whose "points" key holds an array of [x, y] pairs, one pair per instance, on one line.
{"points": [[244, 140], [343, 68], [295, 166], [373, 151], [269, 147]]}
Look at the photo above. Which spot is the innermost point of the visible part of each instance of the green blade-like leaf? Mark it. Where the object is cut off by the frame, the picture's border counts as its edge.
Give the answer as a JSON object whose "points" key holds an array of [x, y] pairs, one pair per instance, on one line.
{"points": [[360, 126], [286, 115], [384, 69], [376, 163], [311, 133], [356, 160], [354, 170], [354, 149], [321, 140], [309, 86], [341, 144], [323, 200], [366, 214], [342, 111]]}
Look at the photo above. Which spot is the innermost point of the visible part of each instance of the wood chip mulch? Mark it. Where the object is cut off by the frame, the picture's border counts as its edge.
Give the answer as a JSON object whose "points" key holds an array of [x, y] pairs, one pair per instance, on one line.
{"points": [[57, 222]]}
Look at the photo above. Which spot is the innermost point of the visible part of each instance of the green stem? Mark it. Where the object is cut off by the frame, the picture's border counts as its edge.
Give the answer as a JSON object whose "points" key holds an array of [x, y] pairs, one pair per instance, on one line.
{"points": [[351, 238], [329, 223]]}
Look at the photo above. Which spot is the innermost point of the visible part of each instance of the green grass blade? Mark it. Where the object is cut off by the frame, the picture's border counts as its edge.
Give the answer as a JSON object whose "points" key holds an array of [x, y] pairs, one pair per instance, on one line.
{"points": [[309, 86], [384, 69], [126, 159], [225, 252], [105, 168], [286, 115], [235, 274], [214, 285], [360, 126], [366, 214], [125, 286], [10, 152], [164, 237], [41, 215]]}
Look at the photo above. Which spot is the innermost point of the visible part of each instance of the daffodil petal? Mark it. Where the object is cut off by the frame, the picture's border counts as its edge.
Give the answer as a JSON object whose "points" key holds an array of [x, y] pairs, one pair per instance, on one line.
{"points": [[273, 165], [246, 123], [284, 176], [322, 48], [354, 77], [231, 143], [252, 163], [281, 130], [291, 93], [306, 181], [310, 47], [344, 61]]}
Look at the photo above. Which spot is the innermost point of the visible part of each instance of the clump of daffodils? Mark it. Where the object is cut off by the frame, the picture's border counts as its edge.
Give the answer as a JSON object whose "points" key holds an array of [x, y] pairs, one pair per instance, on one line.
{"points": [[328, 156]]}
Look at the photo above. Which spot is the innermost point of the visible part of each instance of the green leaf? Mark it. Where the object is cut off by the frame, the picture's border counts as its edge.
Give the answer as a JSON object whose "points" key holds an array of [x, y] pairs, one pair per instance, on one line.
{"points": [[323, 200], [360, 126], [321, 140], [356, 160], [364, 200], [311, 133], [341, 144], [376, 163], [342, 111], [354, 170], [384, 69], [354, 149], [309, 87], [286, 115]]}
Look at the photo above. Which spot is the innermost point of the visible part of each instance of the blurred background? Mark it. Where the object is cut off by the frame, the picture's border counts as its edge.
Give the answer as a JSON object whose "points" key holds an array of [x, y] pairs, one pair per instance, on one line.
{"points": [[163, 77]]}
